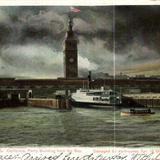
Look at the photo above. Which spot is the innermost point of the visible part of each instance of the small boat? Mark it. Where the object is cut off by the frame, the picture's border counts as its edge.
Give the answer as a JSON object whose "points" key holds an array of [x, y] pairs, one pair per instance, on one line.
{"points": [[96, 98], [137, 112]]}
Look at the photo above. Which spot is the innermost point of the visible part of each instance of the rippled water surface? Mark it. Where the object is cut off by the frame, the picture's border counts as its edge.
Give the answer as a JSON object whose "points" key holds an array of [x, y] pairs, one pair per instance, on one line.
{"points": [[27, 126]]}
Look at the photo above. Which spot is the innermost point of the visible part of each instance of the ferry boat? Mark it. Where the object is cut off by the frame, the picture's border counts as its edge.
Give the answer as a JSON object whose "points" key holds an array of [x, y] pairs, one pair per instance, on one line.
{"points": [[96, 98], [137, 112]]}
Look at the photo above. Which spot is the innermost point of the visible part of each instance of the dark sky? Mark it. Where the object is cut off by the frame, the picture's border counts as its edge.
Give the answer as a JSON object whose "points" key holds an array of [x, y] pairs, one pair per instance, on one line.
{"points": [[137, 39], [31, 40]]}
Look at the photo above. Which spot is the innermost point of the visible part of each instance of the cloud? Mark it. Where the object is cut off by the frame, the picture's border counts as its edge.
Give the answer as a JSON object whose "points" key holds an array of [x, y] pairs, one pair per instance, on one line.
{"points": [[84, 63], [36, 60], [134, 57], [97, 53], [3, 17], [35, 36], [32, 37], [151, 68], [140, 22], [31, 60]]}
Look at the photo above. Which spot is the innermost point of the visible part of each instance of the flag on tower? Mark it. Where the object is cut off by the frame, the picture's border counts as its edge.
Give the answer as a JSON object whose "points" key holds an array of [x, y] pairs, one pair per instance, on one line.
{"points": [[73, 9]]}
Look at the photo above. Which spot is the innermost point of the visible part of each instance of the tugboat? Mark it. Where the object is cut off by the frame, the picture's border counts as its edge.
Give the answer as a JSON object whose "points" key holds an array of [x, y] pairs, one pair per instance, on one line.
{"points": [[137, 112], [96, 98]]}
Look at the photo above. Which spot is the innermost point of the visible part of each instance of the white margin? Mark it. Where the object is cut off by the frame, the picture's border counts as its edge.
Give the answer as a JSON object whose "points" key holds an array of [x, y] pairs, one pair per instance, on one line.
{"points": [[76, 2]]}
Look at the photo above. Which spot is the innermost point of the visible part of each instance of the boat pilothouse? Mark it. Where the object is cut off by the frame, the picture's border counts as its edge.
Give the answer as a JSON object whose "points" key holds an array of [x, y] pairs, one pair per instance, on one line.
{"points": [[96, 97]]}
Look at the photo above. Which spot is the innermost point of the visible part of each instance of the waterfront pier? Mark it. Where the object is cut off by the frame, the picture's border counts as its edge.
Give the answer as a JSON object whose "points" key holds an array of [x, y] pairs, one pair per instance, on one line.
{"points": [[144, 99], [14, 97], [23, 97]]}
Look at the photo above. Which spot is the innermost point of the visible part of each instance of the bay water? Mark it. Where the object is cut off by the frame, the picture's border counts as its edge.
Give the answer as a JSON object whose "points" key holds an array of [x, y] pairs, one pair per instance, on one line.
{"points": [[28, 126]]}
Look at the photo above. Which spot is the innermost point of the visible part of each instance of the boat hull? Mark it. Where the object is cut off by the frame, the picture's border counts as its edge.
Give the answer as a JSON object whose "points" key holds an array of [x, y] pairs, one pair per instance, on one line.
{"points": [[94, 105], [136, 114]]}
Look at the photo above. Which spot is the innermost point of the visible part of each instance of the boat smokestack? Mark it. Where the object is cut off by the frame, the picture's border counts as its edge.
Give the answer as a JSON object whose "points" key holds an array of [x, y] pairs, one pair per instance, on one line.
{"points": [[89, 79], [89, 76]]}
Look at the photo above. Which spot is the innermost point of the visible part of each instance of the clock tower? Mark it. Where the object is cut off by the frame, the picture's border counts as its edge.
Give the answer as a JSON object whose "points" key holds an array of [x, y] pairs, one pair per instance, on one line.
{"points": [[70, 54]]}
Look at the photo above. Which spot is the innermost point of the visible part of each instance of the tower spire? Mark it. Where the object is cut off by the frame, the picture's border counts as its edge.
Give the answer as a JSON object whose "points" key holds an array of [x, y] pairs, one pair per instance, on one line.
{"points": [[70, 24], [70, 33]]}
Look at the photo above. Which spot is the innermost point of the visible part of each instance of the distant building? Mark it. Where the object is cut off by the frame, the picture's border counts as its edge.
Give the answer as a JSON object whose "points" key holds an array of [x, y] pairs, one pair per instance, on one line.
{"points": [[133, 90], [108, 76], [140, 76], [70, 54], [155, 76], [121, 76], [101, 75]]}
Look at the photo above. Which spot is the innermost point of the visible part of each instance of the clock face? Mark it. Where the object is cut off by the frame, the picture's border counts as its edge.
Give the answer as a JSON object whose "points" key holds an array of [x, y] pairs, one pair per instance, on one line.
{"points": [[71, 60]]}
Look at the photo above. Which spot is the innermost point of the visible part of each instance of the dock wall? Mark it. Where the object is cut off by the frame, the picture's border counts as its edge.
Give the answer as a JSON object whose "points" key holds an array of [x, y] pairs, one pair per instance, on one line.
{"points": [[145, 99], [49, 103]]}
